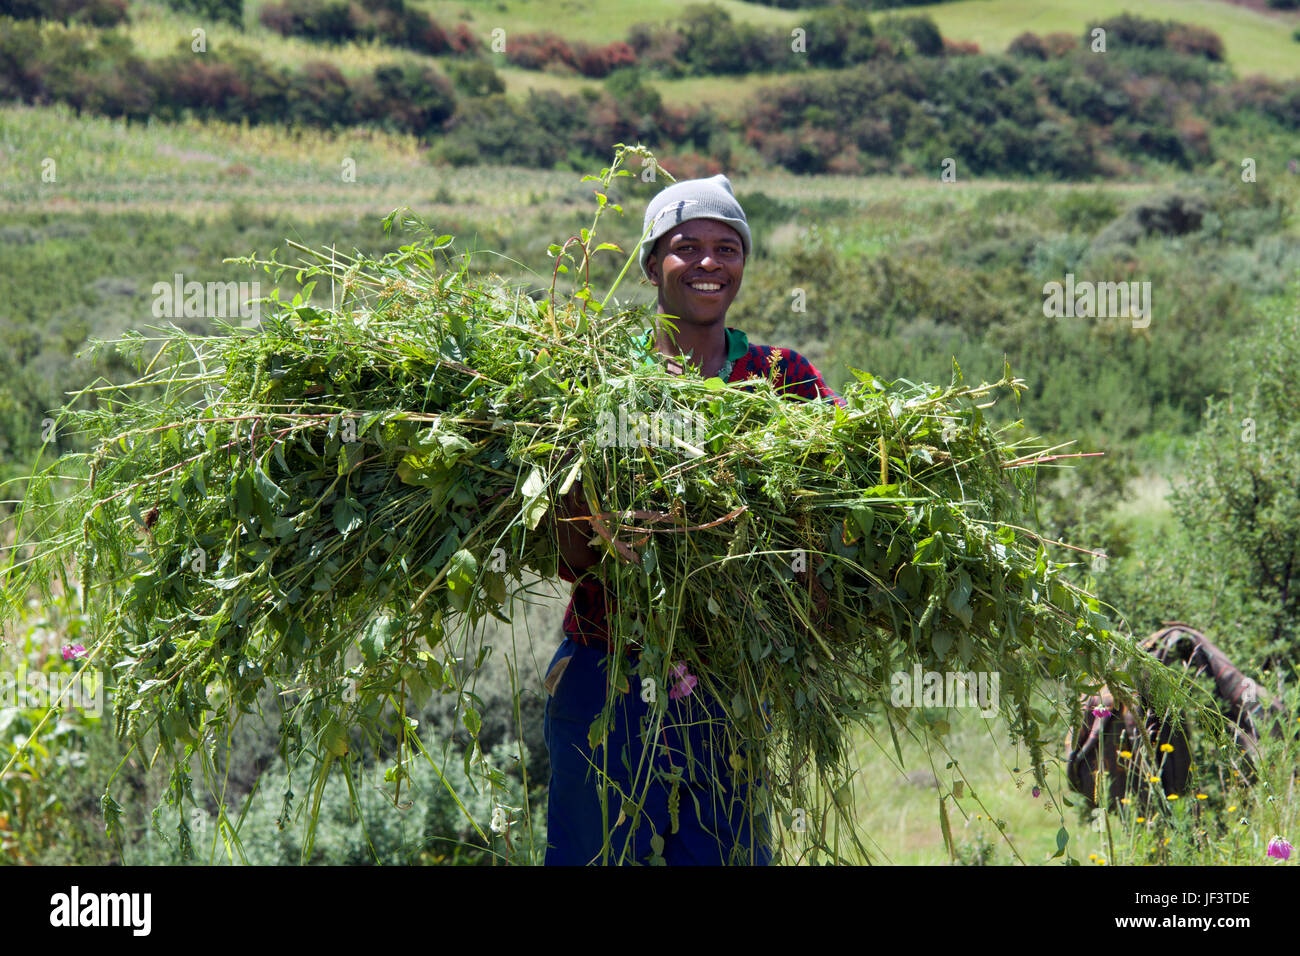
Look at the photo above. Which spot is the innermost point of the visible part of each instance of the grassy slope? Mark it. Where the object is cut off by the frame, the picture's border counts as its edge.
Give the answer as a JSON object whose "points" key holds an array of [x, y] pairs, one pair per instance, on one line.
{"points": [[591, 21], [1255, 42]]}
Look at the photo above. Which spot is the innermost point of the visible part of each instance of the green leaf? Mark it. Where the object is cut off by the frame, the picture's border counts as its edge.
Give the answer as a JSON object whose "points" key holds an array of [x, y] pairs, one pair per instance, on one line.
{"points": [[946, 828], [376, 638], [1062, 838], [959, 598], [535, 505], [267, 488], [244, 493], [865, 517], [348, 516], [461, 575], [473, 722], [596, 732]]}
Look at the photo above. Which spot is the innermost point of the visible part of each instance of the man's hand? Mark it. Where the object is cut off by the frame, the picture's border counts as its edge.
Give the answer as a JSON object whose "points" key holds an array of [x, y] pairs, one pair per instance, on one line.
{"points": [[573, 536]]}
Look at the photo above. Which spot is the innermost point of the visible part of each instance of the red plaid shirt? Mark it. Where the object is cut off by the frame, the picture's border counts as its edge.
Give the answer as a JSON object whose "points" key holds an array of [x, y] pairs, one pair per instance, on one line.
{"points": [[585, 619]]}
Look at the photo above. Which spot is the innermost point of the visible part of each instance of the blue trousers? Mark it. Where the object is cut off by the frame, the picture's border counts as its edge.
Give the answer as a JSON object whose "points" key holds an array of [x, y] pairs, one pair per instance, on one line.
{"points": [[685, 764]]}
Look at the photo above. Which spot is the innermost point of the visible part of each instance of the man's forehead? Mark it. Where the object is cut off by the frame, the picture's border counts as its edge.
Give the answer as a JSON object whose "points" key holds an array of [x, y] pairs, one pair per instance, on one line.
{"points": [[700, 228]]}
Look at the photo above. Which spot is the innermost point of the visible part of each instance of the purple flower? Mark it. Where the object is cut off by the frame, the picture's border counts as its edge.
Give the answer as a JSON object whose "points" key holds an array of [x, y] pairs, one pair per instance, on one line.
{"points": [[686, 682], [72, 652], [1278, 847], [1101, 712], [1036, 791]]}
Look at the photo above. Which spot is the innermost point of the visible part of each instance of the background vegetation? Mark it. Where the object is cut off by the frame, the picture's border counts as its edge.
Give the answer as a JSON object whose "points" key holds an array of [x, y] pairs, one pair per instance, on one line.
{"points": [[311, 121]]}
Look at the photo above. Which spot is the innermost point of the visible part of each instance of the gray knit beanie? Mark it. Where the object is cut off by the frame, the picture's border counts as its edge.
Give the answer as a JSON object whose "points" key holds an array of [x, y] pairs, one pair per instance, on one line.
{"points": [[710, 198]]}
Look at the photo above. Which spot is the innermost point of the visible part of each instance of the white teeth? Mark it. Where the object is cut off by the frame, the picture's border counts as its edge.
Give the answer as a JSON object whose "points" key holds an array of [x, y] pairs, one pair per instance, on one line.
{"points": [[706, 286]]}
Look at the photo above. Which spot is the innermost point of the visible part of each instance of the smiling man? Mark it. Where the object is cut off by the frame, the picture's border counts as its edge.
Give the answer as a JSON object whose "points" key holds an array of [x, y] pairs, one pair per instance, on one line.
{"points": [[696, 244]]}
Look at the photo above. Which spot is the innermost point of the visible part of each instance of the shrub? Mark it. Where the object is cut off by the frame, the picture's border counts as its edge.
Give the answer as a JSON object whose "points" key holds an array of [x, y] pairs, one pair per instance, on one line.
{"points": [[337, 21], [839, 37], [231, 11], [1028, 45], [1129, 30], [315, 19], [321, 96], [1196, 41], [498, 131], [95, 13], [536, 51], [476, 78], [924, 33], [413, 97]]}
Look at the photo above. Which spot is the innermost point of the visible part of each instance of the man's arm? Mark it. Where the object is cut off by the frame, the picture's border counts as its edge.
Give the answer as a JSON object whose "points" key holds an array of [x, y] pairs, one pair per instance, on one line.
{"points": [[576, 555], [804, 379]]}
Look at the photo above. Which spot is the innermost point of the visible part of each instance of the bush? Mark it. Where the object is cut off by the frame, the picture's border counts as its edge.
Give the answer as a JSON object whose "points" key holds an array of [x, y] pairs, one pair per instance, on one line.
{"points": [[1028, 45], [924, 33], [1196, 41], [321, 96], [1234, 567], [840, 37], [231, 11], [498, 131], [537, 51], [476, 78], [95, 13], [1129, 31], [413, 97], [338, 21]]}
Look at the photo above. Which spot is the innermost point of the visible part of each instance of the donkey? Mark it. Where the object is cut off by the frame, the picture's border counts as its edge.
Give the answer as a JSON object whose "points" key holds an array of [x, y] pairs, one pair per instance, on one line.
{"points": [[1107, 730]]}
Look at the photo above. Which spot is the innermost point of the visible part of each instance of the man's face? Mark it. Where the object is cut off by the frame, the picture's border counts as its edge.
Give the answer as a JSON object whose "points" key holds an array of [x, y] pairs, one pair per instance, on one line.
{"points": [[697, 268]]}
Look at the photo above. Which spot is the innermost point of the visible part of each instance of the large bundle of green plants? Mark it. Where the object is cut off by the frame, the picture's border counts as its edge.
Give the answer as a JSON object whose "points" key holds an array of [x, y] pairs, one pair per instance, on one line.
{"points": [[330, 502]]}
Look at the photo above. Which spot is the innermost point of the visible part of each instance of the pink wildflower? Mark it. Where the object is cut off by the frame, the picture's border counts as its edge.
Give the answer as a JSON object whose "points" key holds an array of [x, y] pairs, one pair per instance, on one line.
{"points": [[1278, 847], [73, 651], [686, 682], [1101, 712], [1036, 791]]}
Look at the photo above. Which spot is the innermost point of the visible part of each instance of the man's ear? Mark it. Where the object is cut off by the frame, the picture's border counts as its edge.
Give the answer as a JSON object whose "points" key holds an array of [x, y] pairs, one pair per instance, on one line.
{"points": [[652, 268]]}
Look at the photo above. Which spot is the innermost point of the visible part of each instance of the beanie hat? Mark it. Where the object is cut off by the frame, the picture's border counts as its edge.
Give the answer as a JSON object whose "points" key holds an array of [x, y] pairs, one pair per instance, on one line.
{"points": [[710, 198]]}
